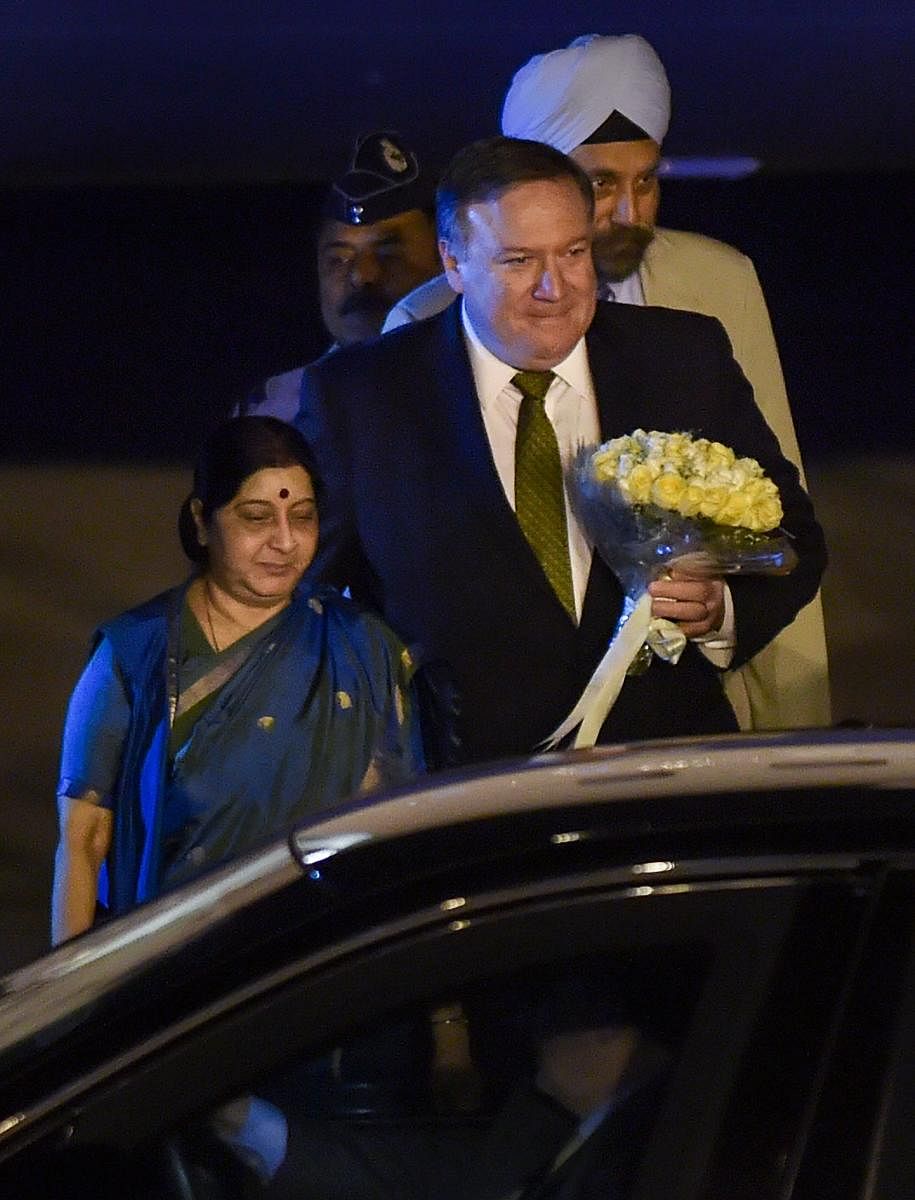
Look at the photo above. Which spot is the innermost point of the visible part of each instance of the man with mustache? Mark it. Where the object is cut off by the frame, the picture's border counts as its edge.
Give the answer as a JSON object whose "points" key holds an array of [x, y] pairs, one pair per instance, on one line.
{"points": [[605, 101], [376, 243]]}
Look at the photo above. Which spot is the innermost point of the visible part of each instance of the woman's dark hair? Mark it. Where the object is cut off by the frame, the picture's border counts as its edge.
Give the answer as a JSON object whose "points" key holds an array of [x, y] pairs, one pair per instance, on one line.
{"points": [[485, 169], [234, 451]]}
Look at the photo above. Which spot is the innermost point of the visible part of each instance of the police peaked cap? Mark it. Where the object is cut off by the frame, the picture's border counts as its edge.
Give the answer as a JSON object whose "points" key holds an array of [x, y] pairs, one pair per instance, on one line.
{"points": [[383, 179]]}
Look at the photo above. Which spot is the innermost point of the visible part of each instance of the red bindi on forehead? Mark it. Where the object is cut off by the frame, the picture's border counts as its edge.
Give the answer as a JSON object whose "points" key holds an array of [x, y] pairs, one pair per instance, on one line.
{"points": [[284, 492]]}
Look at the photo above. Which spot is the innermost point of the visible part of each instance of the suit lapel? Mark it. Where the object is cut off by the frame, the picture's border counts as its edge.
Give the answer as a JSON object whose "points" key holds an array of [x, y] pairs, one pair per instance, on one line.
{"points": [[616, 390], [469, 449], [605, 372], [456, 400]]}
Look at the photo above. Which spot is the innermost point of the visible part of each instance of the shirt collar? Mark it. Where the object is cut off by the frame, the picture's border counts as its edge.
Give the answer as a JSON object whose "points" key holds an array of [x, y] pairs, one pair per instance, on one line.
{"points": [[623, 291], [491, 375]]}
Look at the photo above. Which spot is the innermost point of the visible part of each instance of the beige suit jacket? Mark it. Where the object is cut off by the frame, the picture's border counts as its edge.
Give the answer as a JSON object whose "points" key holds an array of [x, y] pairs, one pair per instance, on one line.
{"points": [[786, 685]]}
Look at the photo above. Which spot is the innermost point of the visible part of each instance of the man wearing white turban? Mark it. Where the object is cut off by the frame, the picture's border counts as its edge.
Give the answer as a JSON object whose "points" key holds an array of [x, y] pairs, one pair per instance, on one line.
{"points": [[605, 101], [567, 96]]}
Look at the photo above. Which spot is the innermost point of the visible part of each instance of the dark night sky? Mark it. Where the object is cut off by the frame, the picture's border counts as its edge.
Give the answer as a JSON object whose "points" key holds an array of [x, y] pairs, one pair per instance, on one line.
{"points": [[134, 317], [202, 91]]}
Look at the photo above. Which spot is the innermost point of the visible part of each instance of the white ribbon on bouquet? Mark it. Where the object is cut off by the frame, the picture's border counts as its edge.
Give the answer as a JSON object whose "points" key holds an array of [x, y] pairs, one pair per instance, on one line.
{"points": [[635, 627]]}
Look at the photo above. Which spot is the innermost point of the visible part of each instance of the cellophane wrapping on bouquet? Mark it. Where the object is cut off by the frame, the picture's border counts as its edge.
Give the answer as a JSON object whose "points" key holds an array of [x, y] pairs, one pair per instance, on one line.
{"points": [[648, 501]]}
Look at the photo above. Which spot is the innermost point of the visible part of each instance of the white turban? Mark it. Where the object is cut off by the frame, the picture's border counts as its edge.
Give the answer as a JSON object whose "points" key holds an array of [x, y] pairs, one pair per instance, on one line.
{"points": [[562, 97]]}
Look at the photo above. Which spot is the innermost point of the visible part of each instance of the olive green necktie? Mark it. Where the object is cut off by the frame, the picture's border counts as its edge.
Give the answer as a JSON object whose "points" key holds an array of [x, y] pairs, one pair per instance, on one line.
{"points": [[539, 496]]}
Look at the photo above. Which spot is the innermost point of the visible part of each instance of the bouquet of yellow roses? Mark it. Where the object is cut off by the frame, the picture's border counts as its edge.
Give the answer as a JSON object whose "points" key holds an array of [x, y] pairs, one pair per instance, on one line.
{"points": [[648, 500]]}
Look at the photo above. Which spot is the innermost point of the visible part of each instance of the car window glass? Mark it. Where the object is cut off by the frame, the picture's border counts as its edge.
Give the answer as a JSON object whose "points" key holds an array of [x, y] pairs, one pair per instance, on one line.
{"points": [[465, 1053], [556, 1073]]}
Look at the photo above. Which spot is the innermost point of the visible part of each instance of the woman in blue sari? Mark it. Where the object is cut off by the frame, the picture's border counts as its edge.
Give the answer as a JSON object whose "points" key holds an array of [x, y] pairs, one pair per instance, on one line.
{"points": [[217, 714]]}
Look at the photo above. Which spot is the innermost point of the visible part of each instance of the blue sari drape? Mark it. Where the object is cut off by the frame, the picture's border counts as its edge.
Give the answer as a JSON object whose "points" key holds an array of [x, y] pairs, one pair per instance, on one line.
{"points": [[320, 700]]}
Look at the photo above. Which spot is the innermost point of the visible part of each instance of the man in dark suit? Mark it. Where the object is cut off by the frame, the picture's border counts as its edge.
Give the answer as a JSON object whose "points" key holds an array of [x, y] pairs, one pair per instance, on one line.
{"points": [[432, 516]]}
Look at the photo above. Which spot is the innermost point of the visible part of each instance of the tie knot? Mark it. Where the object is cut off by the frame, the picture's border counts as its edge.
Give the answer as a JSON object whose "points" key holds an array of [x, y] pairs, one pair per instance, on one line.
{"points": [[535, 384]]}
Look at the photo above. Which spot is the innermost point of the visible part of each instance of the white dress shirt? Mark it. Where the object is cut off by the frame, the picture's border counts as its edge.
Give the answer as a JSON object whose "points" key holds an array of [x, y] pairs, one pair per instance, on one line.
{"points": [[623, 291]]}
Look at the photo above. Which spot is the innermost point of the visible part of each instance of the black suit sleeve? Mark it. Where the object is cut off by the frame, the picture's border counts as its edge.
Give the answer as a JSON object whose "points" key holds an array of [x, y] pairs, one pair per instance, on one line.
{"points": [[518, 1148], [323, 420]]}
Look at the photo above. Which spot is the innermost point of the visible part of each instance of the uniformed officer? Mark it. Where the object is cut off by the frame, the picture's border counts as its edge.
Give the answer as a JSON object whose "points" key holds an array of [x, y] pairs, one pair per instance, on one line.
{"points": [[376, 243]]}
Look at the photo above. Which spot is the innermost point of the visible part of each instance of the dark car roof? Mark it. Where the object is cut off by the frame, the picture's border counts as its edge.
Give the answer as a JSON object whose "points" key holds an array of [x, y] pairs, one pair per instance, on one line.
{"points": [[760, 785]]}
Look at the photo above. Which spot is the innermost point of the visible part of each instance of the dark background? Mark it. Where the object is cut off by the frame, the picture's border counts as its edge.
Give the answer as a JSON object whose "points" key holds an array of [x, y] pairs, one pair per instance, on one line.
{"points": [[159, 176], [271, 89], [136, 315]]}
